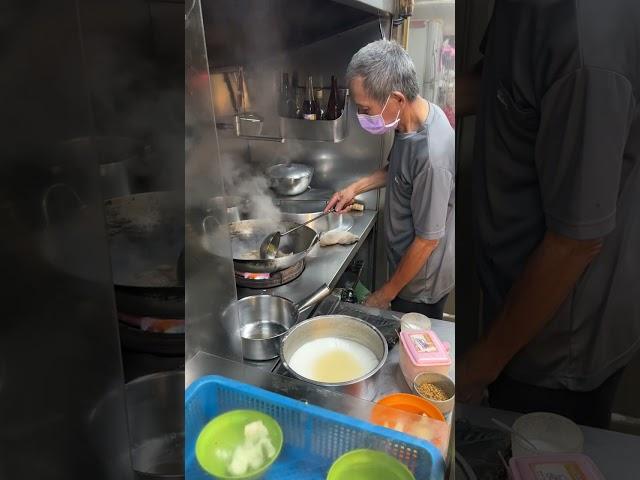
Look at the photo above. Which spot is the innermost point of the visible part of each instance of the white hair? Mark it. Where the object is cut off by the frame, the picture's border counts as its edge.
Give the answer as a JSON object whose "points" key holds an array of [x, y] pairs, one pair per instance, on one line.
{"points": [[384, 67]]}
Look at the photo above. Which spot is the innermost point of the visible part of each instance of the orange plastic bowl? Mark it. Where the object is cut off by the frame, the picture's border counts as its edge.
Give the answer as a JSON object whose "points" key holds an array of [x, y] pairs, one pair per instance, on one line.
{"points": [[405, 402], [427, 422]]}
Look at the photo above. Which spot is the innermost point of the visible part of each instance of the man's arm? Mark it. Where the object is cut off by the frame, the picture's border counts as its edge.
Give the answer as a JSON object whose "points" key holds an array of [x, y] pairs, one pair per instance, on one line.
{"points": [[550, 274], [412, 261], [345, 197]]}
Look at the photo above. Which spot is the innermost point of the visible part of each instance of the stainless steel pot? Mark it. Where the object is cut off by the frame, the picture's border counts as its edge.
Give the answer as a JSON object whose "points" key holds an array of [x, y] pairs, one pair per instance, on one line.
{"points": [[155, 406], [340, 326], [290, 178], [266, 318]]}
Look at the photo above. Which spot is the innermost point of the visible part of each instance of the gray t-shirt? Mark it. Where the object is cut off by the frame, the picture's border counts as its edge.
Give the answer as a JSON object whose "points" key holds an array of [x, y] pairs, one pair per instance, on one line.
{"points": [[558, 148], [420, 200]]}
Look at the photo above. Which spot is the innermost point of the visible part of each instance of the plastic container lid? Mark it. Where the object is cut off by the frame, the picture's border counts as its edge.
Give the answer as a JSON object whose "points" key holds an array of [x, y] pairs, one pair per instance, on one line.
{"points": [[425, 348], [561, 465]]}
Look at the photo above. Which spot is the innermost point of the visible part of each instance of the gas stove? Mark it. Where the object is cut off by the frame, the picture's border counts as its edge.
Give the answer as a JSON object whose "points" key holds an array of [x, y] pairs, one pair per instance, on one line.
{"points": [[262, 281]]}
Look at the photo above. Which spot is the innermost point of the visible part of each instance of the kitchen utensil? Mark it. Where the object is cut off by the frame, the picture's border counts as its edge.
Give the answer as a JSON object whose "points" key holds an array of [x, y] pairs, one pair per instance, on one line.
{"points": [[423, 352], [443, 382], [290, 179], [155, 407], [264, 319], [332, 221], [313, 436], [563, 465], [146, 234], [405, 402], [413, 415], [415, 322], [335, 326], [463, 470], [270, 245], [364, 464], [226, 432], [520, 436], [248, 124], [246, 237], [550, 433]]}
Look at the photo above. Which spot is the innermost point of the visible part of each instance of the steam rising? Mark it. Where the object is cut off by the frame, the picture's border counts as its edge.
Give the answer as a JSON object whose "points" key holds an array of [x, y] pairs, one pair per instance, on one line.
{"points": [[241, 179]]}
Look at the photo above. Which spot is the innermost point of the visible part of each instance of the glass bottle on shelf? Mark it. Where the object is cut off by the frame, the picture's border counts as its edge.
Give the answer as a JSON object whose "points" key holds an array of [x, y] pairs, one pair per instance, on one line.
{"points": [[310, 106], [287, 105], [333, 108], [295, 96]]}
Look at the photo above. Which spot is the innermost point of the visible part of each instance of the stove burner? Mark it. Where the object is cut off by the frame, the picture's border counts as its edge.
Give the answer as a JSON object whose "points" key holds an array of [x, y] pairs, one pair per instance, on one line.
{"points": [[269, 280], [152, 324]]}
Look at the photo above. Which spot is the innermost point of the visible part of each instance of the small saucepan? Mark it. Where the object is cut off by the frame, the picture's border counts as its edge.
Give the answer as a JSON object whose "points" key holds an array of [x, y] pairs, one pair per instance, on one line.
{"points": [[264, 320]]}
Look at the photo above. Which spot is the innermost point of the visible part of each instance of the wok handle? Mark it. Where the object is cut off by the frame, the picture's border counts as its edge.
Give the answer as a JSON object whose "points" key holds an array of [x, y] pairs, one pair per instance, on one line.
{"points": [[45, 199], [308, 222], [314, 298]]}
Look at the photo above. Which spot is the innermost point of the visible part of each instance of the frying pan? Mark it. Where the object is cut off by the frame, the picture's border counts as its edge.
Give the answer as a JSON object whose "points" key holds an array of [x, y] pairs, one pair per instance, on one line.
{"points": [[246, 237], [146, 237]]}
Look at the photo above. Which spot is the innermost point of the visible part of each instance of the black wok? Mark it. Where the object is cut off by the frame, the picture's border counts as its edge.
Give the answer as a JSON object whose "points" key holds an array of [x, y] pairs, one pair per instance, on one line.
{"points": [[146, 238]]}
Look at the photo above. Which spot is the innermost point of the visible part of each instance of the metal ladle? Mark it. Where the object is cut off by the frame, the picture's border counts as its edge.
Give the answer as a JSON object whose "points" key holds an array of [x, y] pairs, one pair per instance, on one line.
{"points": [[270, 245]]}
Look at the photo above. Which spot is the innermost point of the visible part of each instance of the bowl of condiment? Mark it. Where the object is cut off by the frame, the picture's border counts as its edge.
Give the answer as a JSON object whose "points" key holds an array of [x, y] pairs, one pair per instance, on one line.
{"points": [[436, 388], [368, 465], [240, 445]]}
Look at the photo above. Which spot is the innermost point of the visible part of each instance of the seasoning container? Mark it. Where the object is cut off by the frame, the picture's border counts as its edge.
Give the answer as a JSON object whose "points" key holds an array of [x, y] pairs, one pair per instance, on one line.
{"points": [[422, 352], [563, 465], [436, 388]]}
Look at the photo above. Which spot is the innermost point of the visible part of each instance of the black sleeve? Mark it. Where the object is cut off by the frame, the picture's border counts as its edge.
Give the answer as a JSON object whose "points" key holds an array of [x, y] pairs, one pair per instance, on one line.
{"points": [[585, 119]]}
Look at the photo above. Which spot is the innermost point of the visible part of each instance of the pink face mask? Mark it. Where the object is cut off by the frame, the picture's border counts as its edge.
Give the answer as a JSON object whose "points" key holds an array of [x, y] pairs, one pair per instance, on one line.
{"points": [[375, 123]]}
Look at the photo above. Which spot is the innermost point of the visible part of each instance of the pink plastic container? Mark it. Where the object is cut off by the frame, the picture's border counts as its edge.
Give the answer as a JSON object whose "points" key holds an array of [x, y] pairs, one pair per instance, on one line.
{"points": [[560, 465], [423, 352]]}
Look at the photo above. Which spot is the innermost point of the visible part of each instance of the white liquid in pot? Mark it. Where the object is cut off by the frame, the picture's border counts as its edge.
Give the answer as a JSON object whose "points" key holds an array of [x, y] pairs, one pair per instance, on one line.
{"points": [[333, 360]]}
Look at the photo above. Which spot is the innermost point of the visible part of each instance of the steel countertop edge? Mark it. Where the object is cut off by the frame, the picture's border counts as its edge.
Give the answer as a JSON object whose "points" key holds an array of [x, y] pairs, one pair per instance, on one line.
{"points": [[323, 264]]}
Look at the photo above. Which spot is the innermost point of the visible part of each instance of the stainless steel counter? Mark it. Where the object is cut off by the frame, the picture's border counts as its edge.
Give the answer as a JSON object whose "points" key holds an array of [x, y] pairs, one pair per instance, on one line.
{"points": [[323, 264], [615, 454]]}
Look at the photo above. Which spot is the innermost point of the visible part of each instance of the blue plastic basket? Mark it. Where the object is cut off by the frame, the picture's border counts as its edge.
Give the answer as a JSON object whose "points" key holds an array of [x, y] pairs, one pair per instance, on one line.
{"points": [[314, 437]]}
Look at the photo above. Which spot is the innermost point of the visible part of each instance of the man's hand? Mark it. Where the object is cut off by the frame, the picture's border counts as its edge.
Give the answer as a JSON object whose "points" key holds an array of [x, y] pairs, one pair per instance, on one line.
{"points": [[342, 200], [379, 299], [474, 372]]}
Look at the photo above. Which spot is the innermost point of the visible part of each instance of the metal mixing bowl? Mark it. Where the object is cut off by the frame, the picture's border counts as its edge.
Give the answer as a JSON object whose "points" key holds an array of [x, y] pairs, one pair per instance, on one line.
{"points": [[336, 326], [290, 178]]}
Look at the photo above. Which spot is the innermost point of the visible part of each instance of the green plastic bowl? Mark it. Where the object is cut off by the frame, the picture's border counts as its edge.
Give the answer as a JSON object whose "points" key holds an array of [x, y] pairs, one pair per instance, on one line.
{"points": [[368, 465], [226, 431]]}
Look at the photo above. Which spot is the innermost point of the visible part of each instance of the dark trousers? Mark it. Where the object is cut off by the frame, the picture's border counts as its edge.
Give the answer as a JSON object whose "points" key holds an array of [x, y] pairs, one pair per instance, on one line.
{"points": [[431, 310], [591, 408]]}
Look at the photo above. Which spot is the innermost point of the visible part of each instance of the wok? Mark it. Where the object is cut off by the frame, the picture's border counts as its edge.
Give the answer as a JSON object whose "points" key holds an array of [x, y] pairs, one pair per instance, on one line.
{"points": [[247, 235], [146, 237]]}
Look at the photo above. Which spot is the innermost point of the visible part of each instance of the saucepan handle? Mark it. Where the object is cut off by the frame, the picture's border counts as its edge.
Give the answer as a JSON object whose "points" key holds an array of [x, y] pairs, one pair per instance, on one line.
{"points": [[314, 298]]}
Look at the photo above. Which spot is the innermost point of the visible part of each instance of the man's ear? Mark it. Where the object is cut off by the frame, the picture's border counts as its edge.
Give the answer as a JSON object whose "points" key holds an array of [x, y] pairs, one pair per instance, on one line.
{"points": [[399, 97]]}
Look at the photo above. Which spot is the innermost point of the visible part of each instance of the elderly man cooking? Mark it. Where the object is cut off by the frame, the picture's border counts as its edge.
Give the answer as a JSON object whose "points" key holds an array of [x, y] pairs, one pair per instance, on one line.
{"points": [[419, 215]]}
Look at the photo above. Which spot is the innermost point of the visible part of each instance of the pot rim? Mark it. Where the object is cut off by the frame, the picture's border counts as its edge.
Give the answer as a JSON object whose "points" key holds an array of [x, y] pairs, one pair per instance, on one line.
{"points": [[362, 378]]}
